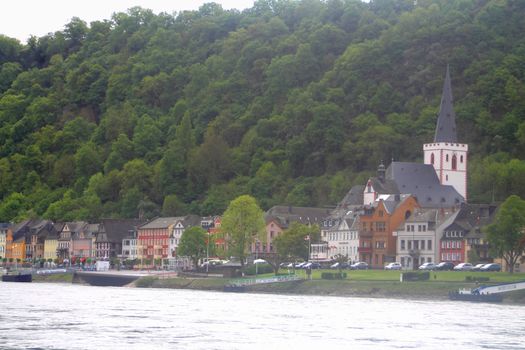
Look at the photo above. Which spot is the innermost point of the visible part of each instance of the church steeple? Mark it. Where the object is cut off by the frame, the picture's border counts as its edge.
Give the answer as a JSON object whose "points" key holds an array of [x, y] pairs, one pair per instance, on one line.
{"points": [[445, 154], [446, 123]]}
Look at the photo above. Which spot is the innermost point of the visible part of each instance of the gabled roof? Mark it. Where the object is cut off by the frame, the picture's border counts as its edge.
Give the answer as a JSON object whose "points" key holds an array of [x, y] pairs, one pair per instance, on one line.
{"points": [[115, 230], [384, 186], [166, 222], [285, 215], [446, 123], [421, 181], [472, 217], [92, 229], [352, 197]]}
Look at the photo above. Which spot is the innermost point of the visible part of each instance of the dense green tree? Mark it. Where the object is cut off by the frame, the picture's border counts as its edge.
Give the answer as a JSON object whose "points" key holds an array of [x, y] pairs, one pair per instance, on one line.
{"points": [[194, 243], [294, 242], [506, 234], [243, 223]]}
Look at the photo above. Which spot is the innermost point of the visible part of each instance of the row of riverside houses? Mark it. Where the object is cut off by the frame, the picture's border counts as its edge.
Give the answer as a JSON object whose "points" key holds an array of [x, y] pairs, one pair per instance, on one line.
{"points": [[154, 242]]}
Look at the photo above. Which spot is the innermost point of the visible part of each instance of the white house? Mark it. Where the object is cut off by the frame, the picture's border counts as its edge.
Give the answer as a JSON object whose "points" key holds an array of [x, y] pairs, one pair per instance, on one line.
{"points": [[343, 239], [419, 236]]}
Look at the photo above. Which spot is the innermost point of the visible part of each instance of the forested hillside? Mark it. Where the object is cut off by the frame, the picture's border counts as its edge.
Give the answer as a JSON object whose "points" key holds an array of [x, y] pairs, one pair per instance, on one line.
{"points": [[289, 101]]}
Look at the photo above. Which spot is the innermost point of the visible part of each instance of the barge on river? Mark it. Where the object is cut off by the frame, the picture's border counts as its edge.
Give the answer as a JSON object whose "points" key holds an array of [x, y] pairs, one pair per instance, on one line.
{"points": [[488, 294], [17, 277]]}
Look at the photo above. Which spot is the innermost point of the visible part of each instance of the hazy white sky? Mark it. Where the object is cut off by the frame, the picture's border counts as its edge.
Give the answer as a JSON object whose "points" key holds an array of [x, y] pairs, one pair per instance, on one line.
{"points": [[22, 18]]}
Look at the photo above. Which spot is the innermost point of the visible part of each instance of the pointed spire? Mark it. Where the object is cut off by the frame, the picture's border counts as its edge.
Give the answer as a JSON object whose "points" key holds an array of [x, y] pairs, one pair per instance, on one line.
{"points": [[446, 123]]}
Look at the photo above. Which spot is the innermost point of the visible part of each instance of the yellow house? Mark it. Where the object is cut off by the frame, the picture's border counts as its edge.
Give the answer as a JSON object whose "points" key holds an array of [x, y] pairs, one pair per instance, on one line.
{"points": [[50, 247]]}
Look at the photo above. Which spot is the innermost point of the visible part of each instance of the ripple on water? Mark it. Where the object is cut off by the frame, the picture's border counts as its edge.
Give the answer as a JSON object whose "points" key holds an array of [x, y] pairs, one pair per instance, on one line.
{"points": [[85, 317]]}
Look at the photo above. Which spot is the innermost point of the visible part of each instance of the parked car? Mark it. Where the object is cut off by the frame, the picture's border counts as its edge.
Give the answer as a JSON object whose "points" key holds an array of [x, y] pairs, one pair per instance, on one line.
{"points": [[312, 265], [478, 267], [361, 265], [491, 267], [338, 265], [445, 266], [427, 266], [300, 265], [393, 266], [463, 267]]}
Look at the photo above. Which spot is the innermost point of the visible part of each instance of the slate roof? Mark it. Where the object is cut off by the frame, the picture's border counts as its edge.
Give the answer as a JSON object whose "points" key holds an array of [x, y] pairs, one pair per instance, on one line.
{"points": [[352, 200], [115, 230], [285, 215], [421, 181], [29, 227], [446, 122], [472, 217], [165, 222]]}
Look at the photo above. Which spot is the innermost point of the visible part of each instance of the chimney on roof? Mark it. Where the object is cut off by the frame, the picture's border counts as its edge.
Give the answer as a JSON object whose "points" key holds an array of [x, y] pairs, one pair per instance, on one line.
{"points": [[381, 172]]}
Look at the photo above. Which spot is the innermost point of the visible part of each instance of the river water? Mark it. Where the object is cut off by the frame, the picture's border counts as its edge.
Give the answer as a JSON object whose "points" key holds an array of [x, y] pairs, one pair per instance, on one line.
{"points": [[63, 316]]}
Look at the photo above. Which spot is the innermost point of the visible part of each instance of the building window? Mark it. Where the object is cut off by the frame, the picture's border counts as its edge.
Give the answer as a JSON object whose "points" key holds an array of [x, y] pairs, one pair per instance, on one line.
{"points": [[422, 244], [409, 245], [446, 158], [402, 244], [454, 162], [429, 244], [461, 159], [432, 158]]}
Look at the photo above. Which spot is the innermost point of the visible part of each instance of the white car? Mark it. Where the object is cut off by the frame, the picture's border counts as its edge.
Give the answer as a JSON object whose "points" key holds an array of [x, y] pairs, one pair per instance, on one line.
{"points": [[393, 266], [463, 267], [427, 266]]}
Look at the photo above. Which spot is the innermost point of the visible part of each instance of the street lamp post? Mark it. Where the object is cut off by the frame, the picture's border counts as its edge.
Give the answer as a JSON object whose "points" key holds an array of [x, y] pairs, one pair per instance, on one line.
{"points": [[256, 251], [208, 253]]}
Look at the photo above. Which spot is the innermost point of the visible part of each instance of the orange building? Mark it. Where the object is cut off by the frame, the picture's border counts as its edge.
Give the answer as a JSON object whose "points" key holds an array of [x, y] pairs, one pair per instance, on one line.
{"points": [[377, 244], [18, 249]]}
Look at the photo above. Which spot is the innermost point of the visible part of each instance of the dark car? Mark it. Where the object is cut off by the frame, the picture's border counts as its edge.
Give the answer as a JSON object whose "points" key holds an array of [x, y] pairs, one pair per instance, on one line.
{"points": [[445, 266], [359, 266], [339, 265], [491, 267], [312, 265]]}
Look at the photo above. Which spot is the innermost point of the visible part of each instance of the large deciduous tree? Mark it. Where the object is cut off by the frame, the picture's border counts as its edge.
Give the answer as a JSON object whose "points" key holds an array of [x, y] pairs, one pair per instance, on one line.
{"points": [[294, 243], [243, 223], [194, 244], [506, 234]]}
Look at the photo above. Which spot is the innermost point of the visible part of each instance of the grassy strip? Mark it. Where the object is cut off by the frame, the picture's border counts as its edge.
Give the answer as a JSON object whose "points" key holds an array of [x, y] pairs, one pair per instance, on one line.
{"points": [[54, 278], [381, 284]]}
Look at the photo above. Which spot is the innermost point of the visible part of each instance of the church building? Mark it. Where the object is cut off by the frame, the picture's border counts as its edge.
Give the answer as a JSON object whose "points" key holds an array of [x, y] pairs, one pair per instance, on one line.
{"points": [[441, 182], [445, 154]]}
